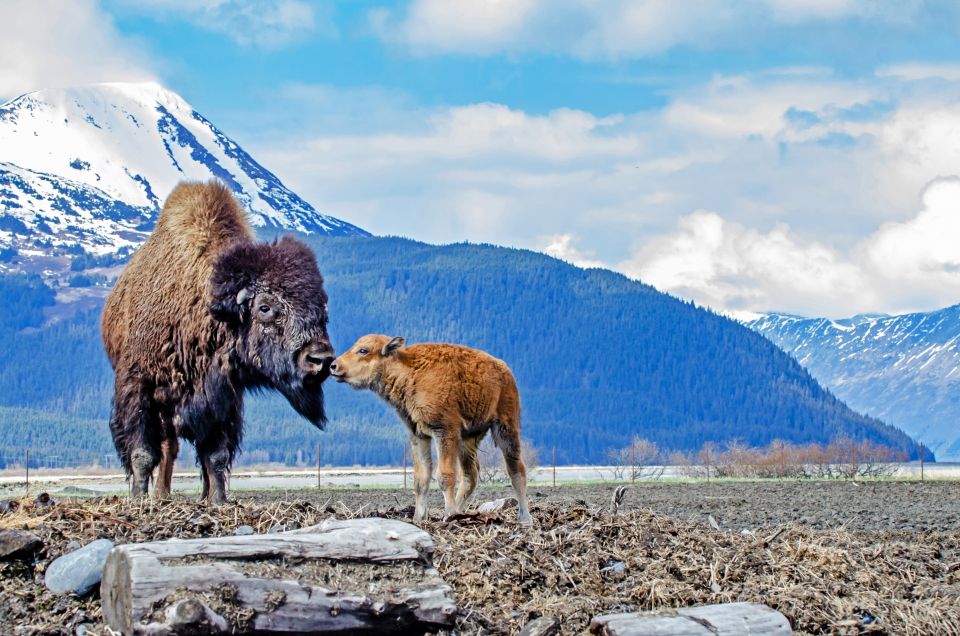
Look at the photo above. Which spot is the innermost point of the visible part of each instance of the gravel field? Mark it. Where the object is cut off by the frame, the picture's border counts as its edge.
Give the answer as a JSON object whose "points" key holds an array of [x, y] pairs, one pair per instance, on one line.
{"points": [[834, 557]]}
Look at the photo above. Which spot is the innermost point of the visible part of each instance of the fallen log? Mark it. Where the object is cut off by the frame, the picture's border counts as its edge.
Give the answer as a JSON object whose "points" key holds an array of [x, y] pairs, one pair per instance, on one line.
{"points": [[726, 619], [354, 576]]}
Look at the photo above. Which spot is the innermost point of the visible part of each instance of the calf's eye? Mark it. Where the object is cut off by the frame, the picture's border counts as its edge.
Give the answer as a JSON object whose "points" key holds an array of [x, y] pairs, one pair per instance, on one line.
{"points": [[363, 352], [264, 309]]}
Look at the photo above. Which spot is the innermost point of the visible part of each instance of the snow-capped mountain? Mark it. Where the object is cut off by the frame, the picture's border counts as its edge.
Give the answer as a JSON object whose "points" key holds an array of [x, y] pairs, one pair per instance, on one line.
{"points": [[86, 170], [904, 370]]}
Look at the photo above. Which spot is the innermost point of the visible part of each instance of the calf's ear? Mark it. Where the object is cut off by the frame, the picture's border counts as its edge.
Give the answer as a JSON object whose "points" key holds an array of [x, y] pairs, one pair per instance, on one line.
{"points": [[395, 343]]}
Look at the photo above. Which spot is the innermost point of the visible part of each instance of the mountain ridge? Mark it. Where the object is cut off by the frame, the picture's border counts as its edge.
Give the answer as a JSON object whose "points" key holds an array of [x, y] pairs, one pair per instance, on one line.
{"points": [[84, 170], [903, 369]]}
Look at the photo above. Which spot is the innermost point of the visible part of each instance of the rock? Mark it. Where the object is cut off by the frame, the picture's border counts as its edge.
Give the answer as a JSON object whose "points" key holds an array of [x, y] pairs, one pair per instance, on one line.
{"points": [[277, 528], [77, 491], [543, 626], [243, 531], [18, 544], [8, 505], [80, 571], [497, 504], [72, 546], [43, 500]]}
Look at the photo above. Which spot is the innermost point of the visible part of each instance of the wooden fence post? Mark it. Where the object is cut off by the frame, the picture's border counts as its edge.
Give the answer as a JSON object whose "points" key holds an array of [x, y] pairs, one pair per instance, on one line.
{"points": [[404, 466], [921, 461], [28, 472], [554, 465], [318, 464], [633, 461], [853, 461]]}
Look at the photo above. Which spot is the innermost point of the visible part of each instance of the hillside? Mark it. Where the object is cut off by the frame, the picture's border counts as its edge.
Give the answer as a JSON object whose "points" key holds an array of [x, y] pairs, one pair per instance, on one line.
{"points": [[904, 369], [598, 358]]}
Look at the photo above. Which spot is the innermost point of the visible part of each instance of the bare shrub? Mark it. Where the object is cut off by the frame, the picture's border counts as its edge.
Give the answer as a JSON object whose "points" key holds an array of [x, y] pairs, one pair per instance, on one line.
{"points": [[641, 459]]}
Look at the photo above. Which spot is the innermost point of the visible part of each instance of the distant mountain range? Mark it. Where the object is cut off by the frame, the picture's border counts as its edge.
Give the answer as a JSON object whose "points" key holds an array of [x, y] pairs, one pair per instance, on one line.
{"points": [[599, 358], [85, 170], [904, 370]]}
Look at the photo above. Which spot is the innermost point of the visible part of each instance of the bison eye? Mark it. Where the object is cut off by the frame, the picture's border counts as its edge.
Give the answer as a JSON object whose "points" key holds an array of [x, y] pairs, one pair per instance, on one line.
{"points": [[264, 309], [362, 352]]}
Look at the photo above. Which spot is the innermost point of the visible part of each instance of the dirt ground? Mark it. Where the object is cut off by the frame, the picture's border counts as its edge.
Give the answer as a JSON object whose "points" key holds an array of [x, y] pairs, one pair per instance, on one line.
{"points": [[834, 557]]}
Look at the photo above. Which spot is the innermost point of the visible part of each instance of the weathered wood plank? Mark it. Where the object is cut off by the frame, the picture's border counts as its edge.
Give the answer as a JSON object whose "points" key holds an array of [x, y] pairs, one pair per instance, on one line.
{"points": [[727, 619], [360, 575]]}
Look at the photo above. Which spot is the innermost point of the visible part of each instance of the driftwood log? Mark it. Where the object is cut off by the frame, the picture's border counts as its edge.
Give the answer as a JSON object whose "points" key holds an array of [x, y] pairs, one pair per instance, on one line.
{"points": [[727, 619], [355, 576]]}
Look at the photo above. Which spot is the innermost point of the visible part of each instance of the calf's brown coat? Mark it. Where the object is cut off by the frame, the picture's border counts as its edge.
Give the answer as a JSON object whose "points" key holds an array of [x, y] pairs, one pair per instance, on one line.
{"points": [[448, 393]]}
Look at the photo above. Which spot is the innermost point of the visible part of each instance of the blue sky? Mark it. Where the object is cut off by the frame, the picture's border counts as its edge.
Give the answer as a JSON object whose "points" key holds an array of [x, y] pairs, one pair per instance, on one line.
{"points": [[794, 155]]}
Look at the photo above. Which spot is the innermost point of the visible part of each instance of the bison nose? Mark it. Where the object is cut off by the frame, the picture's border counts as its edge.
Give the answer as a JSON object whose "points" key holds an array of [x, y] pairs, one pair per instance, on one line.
{"points": [[316, 361], [334, 366]]}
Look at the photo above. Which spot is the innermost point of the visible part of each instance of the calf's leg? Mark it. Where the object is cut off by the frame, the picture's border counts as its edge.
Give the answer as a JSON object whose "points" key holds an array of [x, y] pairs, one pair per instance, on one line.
{"points": [[469, 470], [448, 454], [508, 441], [422, 470]]}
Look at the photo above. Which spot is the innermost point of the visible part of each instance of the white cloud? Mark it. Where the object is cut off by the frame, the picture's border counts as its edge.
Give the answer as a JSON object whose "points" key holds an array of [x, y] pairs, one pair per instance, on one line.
{"points": [[903, 266], [601, 30], [731, 267], [562, 246], [778, 177], [920, 257], [914, 71], [47, 43], [261, 23]]}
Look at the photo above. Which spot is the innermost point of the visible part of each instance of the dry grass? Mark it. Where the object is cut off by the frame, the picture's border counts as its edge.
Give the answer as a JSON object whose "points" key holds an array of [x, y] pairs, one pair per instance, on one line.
{"points": [[836, 582]]}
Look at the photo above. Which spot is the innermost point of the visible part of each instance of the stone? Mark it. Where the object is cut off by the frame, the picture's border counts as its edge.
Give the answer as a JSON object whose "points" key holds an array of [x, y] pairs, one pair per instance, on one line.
{"points": [[18, 544], [543, 626], [244, 530], [497, 504], [277, 528], [80, 571], [8, 505]]}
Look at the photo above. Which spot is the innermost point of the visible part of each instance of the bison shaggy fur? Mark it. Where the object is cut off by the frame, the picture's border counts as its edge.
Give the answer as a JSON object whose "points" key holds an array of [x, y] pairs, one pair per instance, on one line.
{"points": [[200, 314], [448, 393]]}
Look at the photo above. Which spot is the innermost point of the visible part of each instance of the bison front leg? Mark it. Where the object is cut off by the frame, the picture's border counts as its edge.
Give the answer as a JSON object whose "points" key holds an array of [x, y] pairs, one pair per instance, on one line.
{"points": [[448, 454], [422, 470], [216, 457]]}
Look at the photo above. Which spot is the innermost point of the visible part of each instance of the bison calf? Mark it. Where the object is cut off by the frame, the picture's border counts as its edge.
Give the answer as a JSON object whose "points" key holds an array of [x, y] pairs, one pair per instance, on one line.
{"points": [[449, 393]]}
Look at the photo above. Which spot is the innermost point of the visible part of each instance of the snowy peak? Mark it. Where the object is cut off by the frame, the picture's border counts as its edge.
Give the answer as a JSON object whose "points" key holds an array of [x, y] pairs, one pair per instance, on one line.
{"points": [[87, 169], [903, 369]]}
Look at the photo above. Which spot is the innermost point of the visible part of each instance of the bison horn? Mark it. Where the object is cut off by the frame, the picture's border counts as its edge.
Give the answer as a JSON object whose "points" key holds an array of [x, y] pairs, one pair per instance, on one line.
{"points": [[243, 295]]}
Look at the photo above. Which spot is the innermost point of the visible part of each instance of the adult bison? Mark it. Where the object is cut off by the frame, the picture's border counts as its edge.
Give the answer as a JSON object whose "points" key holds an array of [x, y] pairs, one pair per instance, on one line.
{"points": [[201, 314]]}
